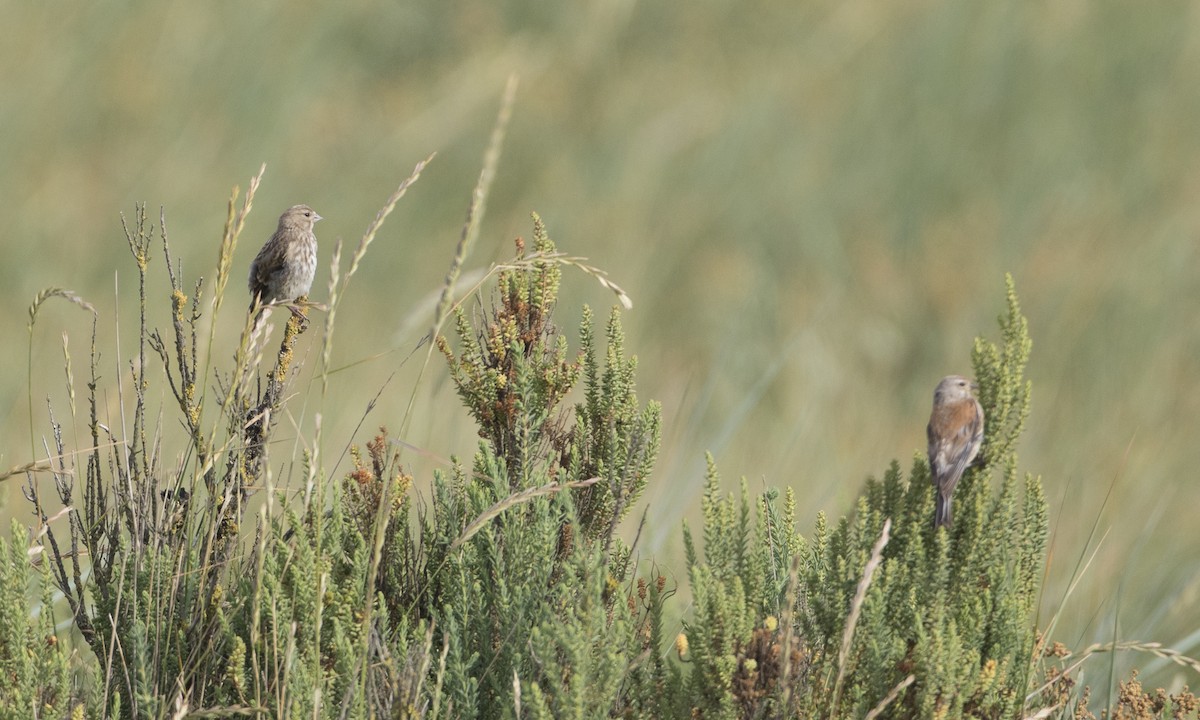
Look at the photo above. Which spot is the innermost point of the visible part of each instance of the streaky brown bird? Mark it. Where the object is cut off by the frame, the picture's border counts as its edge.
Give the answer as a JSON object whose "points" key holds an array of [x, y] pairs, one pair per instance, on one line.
{"points": [[285, 267], [955, 433]]}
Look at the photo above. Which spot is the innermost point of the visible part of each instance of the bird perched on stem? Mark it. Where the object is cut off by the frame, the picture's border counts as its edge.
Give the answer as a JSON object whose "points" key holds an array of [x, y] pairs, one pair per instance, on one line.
{"points": [[955, 432], [284, 269]]}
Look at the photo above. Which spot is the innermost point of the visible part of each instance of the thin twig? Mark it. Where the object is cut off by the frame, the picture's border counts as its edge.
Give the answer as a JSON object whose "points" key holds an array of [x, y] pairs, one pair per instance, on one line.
{"points": [[891, 697], [860, 598]]}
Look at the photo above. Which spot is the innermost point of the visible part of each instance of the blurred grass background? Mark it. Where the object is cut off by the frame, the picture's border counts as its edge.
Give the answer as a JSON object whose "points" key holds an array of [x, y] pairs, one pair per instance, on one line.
{"points": [[812, 205]]}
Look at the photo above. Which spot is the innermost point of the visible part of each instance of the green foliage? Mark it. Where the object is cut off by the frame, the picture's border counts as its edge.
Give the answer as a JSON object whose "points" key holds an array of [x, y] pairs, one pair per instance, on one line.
{"points": [[512, 371], [741, 658], [953, 611], [613, 439], [533, 598], [181, 609], [507, 592], [33, 664], [1003, 390]]}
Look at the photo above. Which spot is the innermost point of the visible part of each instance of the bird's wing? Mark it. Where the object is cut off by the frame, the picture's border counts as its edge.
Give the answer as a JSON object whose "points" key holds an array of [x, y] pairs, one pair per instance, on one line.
{"points": [[964, 443], [954, 434], [267, 263]]}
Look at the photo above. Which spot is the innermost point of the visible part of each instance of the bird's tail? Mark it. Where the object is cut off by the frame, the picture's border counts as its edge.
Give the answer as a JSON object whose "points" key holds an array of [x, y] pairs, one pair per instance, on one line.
{"points": [[941, 512], [258, 324]]}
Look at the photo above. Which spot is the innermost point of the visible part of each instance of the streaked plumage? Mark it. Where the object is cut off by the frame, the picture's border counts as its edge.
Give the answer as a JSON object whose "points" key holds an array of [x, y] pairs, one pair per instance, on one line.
{"points": [[285, 267]]}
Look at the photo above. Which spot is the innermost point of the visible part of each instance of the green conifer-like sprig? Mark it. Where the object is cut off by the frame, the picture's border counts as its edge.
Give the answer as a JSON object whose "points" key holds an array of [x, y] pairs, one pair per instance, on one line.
{"points": [[736, 646], [511, 370], [33, 662], [1000, 371], [613, 439]]}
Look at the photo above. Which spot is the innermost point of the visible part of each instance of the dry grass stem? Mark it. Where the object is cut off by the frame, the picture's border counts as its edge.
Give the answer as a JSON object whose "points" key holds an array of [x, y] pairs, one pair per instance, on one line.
{"points": [[891, 697], [860, 597], [515, 499], [476, 210], [1153, 648], [575, 262]]}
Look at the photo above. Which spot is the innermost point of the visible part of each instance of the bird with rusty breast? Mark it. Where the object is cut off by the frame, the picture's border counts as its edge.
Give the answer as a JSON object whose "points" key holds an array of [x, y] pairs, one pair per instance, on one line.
{"points": [[955, 433], [285, 267]]}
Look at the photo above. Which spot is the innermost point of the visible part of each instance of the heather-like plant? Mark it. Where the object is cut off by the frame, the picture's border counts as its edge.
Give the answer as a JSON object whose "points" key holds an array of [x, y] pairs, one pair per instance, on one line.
{"points": [[35, 666], [531, 583]]}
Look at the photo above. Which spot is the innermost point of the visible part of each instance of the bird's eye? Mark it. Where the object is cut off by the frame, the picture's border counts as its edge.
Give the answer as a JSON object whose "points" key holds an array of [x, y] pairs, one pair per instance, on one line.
{"points": [[307, 214]]}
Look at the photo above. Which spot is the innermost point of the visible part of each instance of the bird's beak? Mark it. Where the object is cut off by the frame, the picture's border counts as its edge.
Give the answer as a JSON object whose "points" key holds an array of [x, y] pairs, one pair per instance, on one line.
{"points": [[317, 218], [974, 387]]}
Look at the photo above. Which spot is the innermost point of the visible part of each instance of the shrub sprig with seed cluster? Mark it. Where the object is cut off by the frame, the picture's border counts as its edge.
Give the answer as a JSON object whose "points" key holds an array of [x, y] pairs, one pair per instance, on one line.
{"points": [[539, 589]]}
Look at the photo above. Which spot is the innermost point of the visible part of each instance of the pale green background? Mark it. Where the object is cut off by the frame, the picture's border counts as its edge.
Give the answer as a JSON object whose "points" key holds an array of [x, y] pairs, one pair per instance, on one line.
{"points": [[812, 204]]}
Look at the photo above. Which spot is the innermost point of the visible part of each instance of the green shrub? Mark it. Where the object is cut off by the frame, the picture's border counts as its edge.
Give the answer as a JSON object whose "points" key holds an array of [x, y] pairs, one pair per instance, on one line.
{"points": [[34, 666]]}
